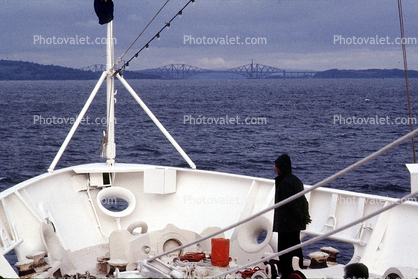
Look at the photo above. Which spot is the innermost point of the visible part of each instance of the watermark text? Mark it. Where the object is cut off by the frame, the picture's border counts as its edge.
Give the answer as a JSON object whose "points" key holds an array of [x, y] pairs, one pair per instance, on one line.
{"points": [[224, 120], [71, 40], [338, 119], [224, 40], [54, 120], [342, 200], [376, 40]]}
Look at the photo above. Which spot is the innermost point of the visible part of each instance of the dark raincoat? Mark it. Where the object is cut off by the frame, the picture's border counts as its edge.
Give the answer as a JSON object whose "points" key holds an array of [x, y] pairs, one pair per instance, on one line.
{"points": [[288, 217]]}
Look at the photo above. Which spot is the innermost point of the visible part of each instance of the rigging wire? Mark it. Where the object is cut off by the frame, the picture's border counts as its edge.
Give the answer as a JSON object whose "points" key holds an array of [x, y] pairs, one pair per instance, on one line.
{"points": [[157, 35], [405, 64], [140, 34]]}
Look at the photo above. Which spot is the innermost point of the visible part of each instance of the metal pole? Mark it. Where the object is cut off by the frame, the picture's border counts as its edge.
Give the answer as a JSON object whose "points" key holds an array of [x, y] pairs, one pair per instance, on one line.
{"points": [[77, 122], [110, 142], [157, 122]]}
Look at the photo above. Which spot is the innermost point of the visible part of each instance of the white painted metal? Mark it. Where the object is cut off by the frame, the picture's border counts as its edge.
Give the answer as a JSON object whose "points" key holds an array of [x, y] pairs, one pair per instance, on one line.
{"points": [[110, 147], [6, 270], [76, 123], [413, 170], [200, 196]]}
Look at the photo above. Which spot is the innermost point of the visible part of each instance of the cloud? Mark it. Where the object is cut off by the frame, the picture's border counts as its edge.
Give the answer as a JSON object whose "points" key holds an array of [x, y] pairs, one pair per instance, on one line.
{"points": [[134, 17], [299, 33], [87, 24], [210, 63]]}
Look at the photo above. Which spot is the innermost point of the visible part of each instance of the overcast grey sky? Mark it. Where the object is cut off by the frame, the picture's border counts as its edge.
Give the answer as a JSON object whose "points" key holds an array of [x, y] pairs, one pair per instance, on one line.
{"points": [[294, 34]]}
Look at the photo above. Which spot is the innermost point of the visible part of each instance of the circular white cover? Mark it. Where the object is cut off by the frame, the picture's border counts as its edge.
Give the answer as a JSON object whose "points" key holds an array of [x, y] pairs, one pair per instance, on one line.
{"points": [[118, 193]]}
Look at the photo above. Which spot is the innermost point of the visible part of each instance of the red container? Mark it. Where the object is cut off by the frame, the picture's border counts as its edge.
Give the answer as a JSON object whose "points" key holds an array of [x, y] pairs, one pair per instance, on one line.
{"points": [[220, 252]]}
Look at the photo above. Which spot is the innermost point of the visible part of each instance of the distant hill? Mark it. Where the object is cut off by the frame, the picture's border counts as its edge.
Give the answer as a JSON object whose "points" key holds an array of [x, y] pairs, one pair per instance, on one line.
{"points": [[20, 70], [371, 73]]}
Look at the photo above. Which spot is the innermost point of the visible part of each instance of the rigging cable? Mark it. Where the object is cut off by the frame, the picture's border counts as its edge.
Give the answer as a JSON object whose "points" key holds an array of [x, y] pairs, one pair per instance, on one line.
{"points": [[406, 72], [149, 23], [157, 35]]}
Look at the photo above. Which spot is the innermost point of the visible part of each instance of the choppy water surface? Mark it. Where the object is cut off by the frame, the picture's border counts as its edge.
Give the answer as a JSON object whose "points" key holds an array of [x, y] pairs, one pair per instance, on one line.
{"points": [[324, 125]]}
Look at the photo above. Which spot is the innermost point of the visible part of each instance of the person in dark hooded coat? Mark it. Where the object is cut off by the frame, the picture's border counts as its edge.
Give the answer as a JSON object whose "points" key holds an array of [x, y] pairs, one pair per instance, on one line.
{"points": [[289, 218]]}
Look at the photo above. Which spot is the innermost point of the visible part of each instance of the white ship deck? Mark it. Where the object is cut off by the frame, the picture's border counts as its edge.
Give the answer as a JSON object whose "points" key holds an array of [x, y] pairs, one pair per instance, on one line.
{"points": [[180, 206]]}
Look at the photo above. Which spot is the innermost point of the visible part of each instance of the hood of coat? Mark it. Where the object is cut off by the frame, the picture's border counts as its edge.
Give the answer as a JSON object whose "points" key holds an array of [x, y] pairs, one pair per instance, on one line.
{"points": [[283, 164]]}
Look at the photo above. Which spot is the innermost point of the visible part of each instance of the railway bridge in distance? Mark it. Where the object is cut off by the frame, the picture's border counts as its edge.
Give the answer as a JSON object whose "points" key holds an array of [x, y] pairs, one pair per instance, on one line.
{"points": [[249, 71]]}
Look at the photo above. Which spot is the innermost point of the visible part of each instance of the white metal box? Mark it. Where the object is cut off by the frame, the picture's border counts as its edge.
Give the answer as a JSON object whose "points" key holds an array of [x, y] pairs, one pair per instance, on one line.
{"points": [[160, 181]]}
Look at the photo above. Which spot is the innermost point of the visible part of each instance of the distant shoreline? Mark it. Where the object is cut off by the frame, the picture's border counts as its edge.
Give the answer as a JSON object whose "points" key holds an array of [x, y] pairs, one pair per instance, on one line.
{"points": [[370, 73], [21, 70]]}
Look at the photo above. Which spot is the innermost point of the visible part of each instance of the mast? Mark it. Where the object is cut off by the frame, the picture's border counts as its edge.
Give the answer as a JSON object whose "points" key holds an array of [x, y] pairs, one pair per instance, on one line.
{"points": [[110, 150], [104, 11]]}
